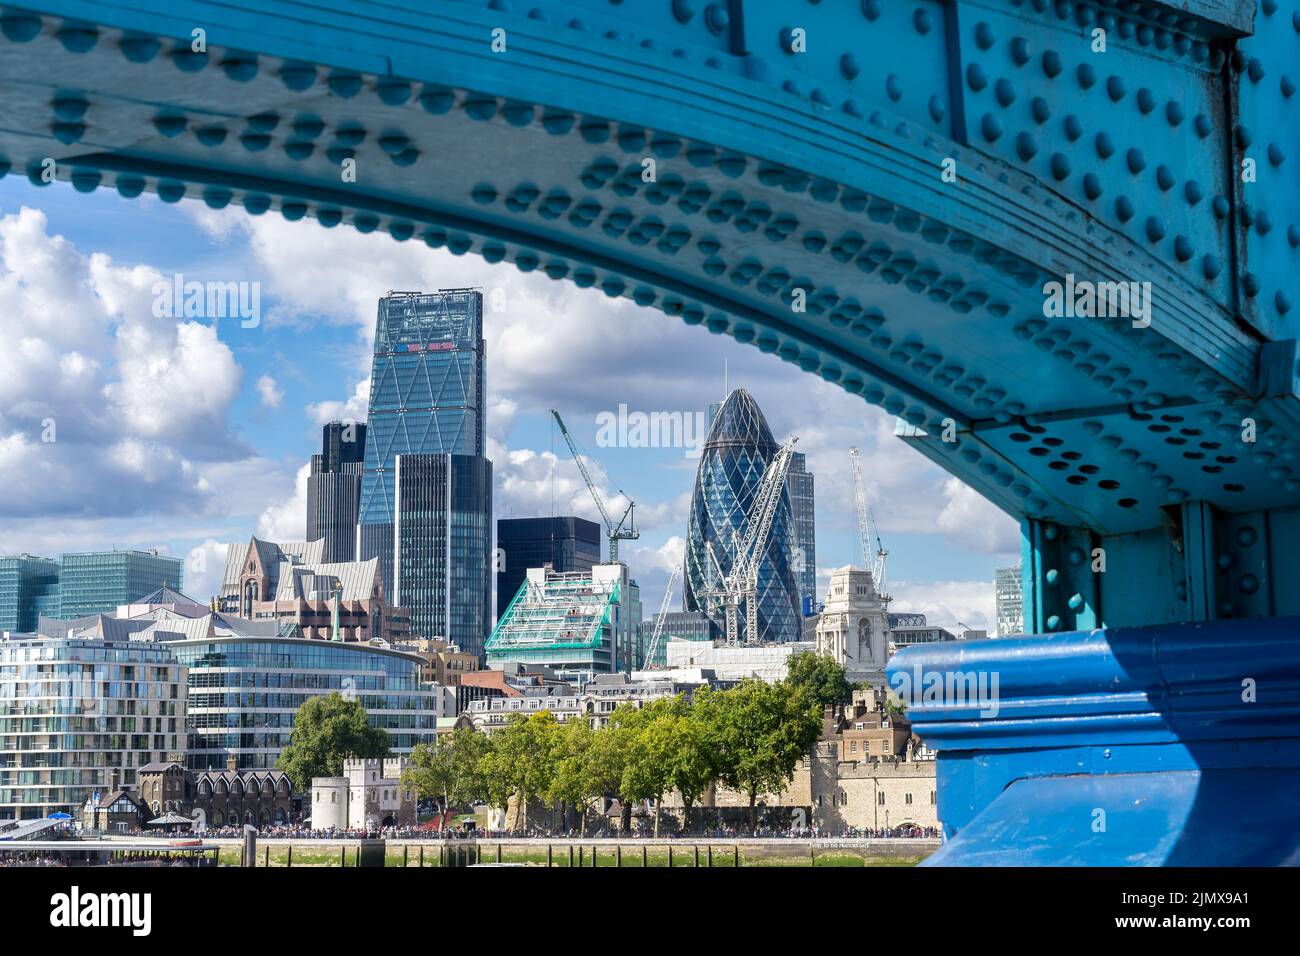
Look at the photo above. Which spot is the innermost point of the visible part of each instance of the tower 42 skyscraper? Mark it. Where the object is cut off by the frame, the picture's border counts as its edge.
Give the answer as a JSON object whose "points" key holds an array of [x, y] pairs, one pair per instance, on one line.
{"points": [[426, 489]]}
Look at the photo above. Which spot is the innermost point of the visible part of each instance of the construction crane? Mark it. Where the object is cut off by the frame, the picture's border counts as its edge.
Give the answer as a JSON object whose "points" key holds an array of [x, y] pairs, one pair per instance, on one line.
{"points": [[866, 526], [657, 635], [741, 585], [615, 532]]}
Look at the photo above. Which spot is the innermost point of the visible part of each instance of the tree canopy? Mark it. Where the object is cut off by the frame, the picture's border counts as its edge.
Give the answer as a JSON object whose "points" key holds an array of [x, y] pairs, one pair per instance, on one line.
{"points": [[448, 770], [760, 732], [749, 738], [326, 730], [821, 678]]}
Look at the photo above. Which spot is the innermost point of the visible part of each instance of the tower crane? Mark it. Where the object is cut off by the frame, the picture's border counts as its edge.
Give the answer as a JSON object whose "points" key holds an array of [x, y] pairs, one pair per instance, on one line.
{"points": [[867, 528], [615, 532], [657, 635], [741, 585]]}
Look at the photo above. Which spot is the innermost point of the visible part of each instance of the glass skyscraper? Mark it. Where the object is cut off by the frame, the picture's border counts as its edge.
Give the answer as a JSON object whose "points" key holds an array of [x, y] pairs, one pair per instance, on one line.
{"points": [[442, 546], [736, 452], [579, 623], [432, 531], [334, 490], [800, 483], [565, 543]]}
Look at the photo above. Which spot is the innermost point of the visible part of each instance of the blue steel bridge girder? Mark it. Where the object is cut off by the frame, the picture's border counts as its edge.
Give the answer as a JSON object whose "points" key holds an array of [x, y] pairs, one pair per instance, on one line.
{"points": [[799, 151]]}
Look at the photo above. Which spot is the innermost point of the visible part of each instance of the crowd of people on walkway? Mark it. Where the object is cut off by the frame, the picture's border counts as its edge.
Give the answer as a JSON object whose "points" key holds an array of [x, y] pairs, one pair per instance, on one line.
{"points": [[640, 830], [32, 858]]}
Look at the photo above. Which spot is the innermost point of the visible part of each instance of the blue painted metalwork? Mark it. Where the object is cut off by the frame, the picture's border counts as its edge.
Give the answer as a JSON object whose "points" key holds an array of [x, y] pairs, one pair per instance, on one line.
{"points": [[776, 172], [1172, 744]]}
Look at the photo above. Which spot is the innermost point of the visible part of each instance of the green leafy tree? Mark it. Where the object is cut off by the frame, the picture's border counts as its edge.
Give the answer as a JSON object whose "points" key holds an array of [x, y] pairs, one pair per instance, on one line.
{"points": [[617, 745], [761, 731], [692, 762], [327, 729], [577, 781], [494, 778], [665, 750], [448, 769], [522, 763], [821, 678], [645, 769]]}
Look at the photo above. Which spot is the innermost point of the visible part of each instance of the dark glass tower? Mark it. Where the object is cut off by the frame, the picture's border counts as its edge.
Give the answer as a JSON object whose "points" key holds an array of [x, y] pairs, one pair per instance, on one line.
{"points": [[735, 455], [334, 490], [442, 539], [799, 482], [566, 543], [426, 405]]}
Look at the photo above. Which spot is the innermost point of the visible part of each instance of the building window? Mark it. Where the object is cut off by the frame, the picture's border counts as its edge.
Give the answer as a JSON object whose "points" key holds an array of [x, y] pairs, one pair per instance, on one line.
{"points": [[908, 799], [931, 798], [880, 798]]}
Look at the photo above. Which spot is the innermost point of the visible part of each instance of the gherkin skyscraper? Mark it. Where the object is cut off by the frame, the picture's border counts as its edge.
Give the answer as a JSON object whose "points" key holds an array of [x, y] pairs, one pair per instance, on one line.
{"points": [[736, 452]]}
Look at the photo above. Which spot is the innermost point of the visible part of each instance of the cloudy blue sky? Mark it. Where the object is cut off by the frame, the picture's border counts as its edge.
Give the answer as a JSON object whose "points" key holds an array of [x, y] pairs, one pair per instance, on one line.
{"points": [[185, 435]]}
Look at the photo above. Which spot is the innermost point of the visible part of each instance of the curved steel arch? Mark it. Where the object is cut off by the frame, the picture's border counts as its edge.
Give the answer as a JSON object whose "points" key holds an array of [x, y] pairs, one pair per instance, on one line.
{"points": [[880, 192]]}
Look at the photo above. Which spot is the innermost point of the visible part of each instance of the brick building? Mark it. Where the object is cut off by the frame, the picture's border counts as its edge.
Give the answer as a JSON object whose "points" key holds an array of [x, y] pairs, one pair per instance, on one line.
{"points": [[218, 797]]}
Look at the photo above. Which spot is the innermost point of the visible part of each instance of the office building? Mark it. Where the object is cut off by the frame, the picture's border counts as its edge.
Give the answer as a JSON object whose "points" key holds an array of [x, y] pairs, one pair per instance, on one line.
{"points": [[800, 485], [677, 626], [247, 678], [442, 546], [29, 588], [767, 662], [566, 543], [635, 618], [79, 585], [736, 453], [426, 489], [245, 690], [79, 715], [334, 490], [594, 700], [576, 623], [915, 630], [98, 582], [1010, 605]]}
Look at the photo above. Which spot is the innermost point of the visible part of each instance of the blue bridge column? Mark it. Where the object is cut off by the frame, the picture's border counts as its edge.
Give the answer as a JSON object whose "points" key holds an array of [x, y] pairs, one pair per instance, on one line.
{"points": [[1106, 740]]}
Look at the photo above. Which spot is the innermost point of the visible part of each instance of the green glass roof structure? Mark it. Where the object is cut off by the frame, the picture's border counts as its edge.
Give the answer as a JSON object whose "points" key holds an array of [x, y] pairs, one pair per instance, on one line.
{"points": [[573, 622]]}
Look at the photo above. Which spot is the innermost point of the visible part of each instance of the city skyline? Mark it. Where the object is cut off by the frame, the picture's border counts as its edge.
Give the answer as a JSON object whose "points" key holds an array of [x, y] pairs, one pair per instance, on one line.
{"points": [[245, 471]]}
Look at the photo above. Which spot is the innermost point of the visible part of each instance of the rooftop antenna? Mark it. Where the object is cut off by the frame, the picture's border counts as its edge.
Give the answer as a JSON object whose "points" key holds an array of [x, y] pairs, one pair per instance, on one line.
{"points": [[725, 390]]}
